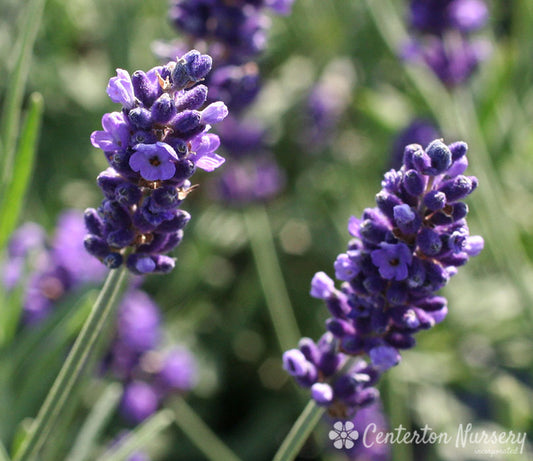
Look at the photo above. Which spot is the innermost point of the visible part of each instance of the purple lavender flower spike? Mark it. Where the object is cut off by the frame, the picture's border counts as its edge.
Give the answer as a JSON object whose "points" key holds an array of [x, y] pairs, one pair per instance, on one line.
{"points": [[153, 146], [402, 252], [53, 266], [255, 179], [28, 238], [149, 374], [68, 253], [234, 33], [445, 46], [436, 16]]}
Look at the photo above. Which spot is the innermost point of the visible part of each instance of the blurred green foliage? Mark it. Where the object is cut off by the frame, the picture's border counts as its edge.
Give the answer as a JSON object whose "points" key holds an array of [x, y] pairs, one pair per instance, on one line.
{"points": [[474, 367]]}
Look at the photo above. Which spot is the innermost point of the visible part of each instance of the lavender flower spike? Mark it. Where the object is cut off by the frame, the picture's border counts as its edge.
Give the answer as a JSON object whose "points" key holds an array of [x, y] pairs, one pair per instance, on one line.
{"points": [[153, 147], [444, 43], [403, 251]]}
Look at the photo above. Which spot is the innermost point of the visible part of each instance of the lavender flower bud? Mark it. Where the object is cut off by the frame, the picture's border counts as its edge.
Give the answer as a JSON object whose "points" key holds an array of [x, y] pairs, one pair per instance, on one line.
{"points": [[163, 109], [145, 90]]}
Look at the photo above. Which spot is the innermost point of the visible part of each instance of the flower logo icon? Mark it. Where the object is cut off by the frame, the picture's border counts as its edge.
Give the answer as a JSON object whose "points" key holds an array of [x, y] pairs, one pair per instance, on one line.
{"points": [[343, 435]]}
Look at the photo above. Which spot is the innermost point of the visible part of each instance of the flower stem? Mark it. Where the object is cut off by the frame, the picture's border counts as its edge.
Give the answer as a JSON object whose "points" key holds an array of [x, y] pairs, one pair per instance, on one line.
{"points": [[73, 366], [99, 416], [299, 432], [200, 434], [271, 277], [3, 453], [143, 434]]}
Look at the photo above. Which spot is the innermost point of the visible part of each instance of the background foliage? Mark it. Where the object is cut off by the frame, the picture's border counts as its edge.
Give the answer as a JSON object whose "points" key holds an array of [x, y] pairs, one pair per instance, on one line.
{"points": [[474, 367]]}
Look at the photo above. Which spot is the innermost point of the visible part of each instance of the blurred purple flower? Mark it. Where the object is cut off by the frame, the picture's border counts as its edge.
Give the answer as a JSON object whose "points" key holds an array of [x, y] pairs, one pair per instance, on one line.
{"points": [[444, 44], [138, 324], [139, 401], [252, 180], [178, 371]]}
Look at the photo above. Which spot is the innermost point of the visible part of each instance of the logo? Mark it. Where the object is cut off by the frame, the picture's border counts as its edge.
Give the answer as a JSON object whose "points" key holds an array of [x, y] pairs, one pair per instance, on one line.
{"points": [[467, 438], [343, 435]]}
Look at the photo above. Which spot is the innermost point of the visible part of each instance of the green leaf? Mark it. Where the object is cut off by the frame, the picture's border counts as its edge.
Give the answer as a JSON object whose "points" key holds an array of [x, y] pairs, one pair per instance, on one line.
{"points": [[22, 432], [16, 85], [95, 423], [17, 185], [200, 433], [271, 277], [72, 369], [140, 436], [3, 453], [299, 432]]}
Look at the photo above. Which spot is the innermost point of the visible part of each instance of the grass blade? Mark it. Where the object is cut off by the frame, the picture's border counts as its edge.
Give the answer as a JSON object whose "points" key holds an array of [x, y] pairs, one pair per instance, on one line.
{"points": [[73, 366], [140, 436], [3, 453], [17, 185], [95, 423], [271, 277], [16, 85], [200, 434], [300, 432]]}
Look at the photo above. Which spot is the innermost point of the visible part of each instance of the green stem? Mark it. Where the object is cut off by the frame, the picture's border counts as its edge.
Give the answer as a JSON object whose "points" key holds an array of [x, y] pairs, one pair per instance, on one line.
{"points": [[200, 434], [73, 366], [140, 436], [3, 453], [100, 414], [396, 398], [299, 432], [17, 82], [271, 277]]}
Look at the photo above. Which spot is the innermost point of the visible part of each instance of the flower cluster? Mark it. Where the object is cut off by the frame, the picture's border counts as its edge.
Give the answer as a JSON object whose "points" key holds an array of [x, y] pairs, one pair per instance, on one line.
{"points": [[52, 269], [325, 105], [402, 252], [234, 33], [153, 146], [445, 45], [239, 26], [48, 273], [149, 374]]}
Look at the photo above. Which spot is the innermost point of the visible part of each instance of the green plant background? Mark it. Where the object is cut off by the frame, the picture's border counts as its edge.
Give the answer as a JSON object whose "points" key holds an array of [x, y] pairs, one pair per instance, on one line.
{"points": [[474, 367]]}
